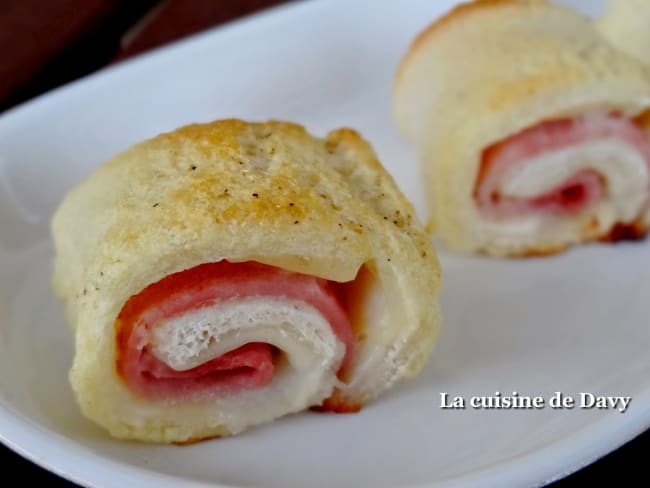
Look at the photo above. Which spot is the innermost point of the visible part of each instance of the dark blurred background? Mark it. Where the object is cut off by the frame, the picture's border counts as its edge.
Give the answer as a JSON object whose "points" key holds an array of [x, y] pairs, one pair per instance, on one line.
{"points": [[46, 43]]}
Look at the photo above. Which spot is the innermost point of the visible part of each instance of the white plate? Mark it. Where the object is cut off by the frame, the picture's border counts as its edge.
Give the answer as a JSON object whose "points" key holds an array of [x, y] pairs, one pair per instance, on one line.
{"points": [[572, 323]]}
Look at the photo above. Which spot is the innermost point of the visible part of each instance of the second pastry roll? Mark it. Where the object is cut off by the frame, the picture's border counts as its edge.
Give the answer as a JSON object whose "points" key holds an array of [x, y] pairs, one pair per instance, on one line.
{"points": [[530, 127]]}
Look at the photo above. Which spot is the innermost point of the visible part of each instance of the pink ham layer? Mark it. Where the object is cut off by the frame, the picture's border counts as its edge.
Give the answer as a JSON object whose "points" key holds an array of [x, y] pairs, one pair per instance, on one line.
{"points": [[247, 367], [582, 189]]}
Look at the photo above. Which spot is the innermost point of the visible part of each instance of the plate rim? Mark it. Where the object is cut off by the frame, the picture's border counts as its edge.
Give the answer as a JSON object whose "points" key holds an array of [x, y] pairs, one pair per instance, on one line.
{"points": [[59, 454]]}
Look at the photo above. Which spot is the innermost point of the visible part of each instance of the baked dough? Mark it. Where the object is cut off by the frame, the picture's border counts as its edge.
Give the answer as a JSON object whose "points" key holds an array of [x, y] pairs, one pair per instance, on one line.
{"points": [[491, 69], [237, 191], [626, 24]]}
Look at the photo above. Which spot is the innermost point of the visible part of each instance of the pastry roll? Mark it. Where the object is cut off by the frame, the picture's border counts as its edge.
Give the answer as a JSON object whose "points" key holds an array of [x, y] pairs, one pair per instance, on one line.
{"points": [[626, 24], [223, 275], [531, 129]]}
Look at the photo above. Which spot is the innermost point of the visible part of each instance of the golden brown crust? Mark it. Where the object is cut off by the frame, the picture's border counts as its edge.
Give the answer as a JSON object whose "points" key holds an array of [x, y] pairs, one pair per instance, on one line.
{"points": [[334, 404], [643, 119], [195, 440], [626, 231], [268, 192]]}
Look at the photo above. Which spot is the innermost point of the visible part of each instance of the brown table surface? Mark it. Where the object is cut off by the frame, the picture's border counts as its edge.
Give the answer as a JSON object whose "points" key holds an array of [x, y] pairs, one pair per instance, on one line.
{"points": [[45, 43]]}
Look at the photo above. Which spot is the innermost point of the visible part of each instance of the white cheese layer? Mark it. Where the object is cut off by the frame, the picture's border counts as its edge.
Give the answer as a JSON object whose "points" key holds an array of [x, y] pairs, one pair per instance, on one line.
{"points": [[620, 164], [626, 178], [198, 336], [305, 375]]}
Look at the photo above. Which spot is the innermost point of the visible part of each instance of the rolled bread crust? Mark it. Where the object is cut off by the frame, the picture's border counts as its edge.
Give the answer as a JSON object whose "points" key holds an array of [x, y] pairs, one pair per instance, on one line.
{"points": [[626, 24], [267, 192], [488, 70]]}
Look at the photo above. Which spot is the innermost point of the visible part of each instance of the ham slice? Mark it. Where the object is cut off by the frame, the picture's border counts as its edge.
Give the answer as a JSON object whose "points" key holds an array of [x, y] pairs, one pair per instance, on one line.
{"points": [[249, 366], [576, 193]]}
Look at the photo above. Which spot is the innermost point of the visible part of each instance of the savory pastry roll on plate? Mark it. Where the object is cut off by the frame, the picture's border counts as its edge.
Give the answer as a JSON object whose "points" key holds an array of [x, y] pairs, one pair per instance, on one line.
{"points": [[626, 24], [530, 127], [223, 275]]}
